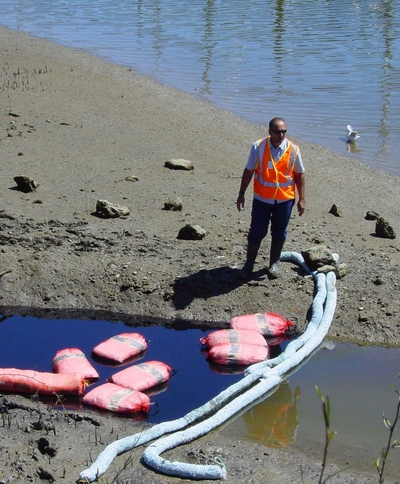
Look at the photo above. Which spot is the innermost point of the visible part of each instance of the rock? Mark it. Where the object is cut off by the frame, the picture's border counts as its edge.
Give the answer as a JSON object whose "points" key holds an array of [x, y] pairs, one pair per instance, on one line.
{"points": [[191, 232], [326, 268], [318, 256], [173, 204], [341, 270], [106, 209], [335, 210], [365, 316], [371, 215], [25, 183], [132, 178], [384, 229], [179, 164]]}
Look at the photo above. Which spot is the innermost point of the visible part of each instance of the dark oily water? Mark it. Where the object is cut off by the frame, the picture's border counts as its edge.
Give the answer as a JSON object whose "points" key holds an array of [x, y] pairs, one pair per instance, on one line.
{"points": [[357, 379], [320, 65], [31, 343]]}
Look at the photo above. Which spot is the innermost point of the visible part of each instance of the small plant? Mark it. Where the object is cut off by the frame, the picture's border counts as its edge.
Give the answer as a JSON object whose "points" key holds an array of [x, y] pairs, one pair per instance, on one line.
{"points": [[329, 434], [381, 461]]}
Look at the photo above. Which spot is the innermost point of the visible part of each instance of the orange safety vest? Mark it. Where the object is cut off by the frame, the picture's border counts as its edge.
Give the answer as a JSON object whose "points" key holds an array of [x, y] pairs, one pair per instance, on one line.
{"points": [[274, 179]]}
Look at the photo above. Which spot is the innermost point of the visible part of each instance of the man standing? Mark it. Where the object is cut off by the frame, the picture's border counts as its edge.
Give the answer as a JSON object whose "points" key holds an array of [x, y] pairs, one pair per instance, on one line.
{"points": [[278, 171]]}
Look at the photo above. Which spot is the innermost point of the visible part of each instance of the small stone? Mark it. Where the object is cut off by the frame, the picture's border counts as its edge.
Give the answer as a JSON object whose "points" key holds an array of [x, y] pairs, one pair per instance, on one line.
{"points": [[335, 210], [179, 164], [191, 232], [366, 316], [384, 229], [341, 270], [325, 269], [25, 183], [173, 204], [371, 215], [106, 209]]}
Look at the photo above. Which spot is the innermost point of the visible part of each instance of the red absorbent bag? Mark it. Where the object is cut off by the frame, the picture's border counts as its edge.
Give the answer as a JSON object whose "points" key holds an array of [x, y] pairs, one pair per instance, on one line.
{"points": [[117, 399], [233, 336], [73, 360], [268, 324], [121, 347], [32, 381], [142, 376], [235, 354]]}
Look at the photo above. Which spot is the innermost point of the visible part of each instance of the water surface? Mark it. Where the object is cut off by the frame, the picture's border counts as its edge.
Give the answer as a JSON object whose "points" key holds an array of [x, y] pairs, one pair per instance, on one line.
{"points": [[321, 65], [357, 379]]}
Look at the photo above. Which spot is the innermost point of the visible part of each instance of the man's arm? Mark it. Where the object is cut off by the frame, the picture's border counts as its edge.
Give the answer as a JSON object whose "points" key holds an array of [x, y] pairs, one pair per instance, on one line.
{"points": [[246, 179], [300, 181]]}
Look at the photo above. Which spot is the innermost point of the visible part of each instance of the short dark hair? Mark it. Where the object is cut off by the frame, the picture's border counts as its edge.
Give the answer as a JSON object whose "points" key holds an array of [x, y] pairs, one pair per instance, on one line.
{"points": [[274, 121]]}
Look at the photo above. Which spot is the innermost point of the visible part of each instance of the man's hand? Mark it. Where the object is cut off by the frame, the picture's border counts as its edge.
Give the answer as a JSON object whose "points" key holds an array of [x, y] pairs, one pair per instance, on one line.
{"points": [[301, 206], [240, 202]]}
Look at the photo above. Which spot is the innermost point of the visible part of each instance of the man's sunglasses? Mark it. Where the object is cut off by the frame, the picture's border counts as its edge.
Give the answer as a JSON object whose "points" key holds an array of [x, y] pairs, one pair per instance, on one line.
{"points": [[279, 131]]}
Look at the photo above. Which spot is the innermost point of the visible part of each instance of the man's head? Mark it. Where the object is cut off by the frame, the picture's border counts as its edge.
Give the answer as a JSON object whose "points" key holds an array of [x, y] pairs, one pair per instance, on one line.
{"points": [[277, 131]]}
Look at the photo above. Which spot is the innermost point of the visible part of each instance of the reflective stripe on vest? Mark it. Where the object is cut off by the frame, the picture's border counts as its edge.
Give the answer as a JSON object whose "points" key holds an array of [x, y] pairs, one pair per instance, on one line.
{"points": [[274, 179]]}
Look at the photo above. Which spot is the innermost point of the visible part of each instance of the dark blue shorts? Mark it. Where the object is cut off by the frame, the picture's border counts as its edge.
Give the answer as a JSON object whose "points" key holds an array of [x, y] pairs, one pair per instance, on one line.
{"points": [[261, 215]]}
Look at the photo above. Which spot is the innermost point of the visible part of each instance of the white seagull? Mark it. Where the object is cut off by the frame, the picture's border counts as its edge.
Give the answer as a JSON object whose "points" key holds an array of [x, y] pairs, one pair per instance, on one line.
{"points": [[351, 135]]}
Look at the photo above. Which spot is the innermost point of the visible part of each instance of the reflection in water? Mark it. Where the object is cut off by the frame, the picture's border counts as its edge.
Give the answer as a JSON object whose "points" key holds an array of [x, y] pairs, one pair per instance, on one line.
{"points": [[208, 43], [385, 11], [278, 31], [158, 31], [352, 148], [305, 61], [274, 421]]}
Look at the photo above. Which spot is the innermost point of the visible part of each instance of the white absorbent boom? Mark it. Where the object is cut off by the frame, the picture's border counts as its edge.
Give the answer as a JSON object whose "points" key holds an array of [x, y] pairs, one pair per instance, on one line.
{"points": [[259, 379]]}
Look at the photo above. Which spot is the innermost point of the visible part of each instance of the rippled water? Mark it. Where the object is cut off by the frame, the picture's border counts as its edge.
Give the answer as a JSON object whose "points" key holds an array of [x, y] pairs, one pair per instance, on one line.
{"points": [[321, 65]]}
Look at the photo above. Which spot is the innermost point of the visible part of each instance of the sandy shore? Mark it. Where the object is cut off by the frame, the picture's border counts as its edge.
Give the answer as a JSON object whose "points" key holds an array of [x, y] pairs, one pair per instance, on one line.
{"points": [[87, 130]]}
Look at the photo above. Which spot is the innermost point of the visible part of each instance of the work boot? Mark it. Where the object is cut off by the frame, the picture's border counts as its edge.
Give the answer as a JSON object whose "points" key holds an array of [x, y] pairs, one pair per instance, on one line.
{"points": [[275, 255], [252, 251]]}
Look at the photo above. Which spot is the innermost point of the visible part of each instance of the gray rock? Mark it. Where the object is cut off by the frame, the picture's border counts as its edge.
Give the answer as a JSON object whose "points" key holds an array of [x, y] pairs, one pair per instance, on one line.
{"points": [[132, 178], [191, 232], [25, 183], [173, 204], [384, 229], [371, 215], [179, 164], [335, 210], [341, 270], [326, 268], [106, 209], [365, 316], [318, 256]]}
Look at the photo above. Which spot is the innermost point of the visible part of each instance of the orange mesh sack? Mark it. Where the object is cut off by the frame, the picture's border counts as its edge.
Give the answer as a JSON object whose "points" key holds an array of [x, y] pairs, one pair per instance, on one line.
{"points": [[32, 381], [234, 354], [142, 376], [73, 360], [117, 399], [121, 347], [268, 324], [233, 336]]}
